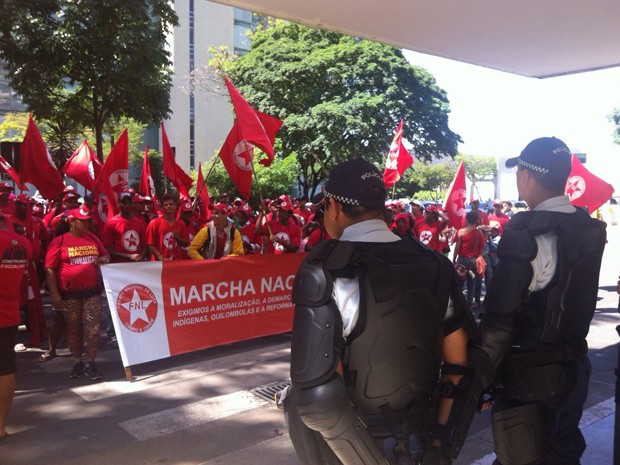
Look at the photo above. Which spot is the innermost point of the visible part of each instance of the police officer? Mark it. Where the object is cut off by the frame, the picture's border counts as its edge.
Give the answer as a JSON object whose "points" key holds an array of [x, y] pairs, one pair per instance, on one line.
{"points": [[375, 316], [537, 314]]}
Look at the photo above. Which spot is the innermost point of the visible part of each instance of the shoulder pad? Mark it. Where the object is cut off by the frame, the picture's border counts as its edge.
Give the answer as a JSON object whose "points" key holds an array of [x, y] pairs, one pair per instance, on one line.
{"points": [[517, 245]]}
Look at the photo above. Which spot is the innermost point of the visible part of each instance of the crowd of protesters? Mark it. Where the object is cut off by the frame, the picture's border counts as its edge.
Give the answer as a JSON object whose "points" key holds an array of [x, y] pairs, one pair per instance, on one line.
{"points": [[68, 244]]}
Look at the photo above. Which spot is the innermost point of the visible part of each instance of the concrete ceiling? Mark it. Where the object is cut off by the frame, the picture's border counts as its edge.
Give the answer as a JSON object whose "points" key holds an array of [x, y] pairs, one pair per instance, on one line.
{"points": [[536, 38]]}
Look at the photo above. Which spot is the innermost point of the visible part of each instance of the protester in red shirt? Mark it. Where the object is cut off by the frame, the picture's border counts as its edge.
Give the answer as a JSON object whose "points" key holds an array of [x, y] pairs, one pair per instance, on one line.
{"points": [[470, 242], [284, 233], [6, 206], [124, 234], [302, 210], [483, 217], [72, 267], [251, 240], [15, 253], [166, 236], [430, 232], [498, 217], [417, 211]]}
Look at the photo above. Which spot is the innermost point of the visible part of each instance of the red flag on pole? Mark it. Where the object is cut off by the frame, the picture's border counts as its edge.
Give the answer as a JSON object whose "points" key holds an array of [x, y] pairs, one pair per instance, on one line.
{"points": [[454, 204], [202, 195], [147, 185], [259, 129], [179, 178], [237, 154], [398, 159], [586, 190], [36, 165], [83, 166], [113, 178], [8, 169]]}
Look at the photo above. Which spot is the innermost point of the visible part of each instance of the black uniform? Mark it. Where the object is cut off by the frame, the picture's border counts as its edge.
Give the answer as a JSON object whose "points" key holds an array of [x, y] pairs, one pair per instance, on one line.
{"points": [[535, 341], [381, 407]]}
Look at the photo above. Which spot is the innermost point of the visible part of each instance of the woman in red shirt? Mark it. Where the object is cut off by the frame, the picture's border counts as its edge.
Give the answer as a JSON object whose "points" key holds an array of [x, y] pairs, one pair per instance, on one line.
{"points": [[469, 246], [72, 272]]}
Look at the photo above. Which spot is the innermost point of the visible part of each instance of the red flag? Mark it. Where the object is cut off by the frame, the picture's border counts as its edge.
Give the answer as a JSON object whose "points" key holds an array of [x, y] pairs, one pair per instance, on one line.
{"points": [[36, 165], [8, 169], [179, 178], [586, 190], [83, 166], [147, 185], [237, 154], [255, 127], [398, 159], [113, 178], [202, 194], [454, 204]]}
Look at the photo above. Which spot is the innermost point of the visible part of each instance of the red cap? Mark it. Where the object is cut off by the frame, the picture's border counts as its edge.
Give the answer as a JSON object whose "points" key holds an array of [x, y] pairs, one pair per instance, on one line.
{"points": [[245, 208], [286, 205], [219, 206], [81, 213], [24, 198], [5, 186], [70, 195], [186, 206]]}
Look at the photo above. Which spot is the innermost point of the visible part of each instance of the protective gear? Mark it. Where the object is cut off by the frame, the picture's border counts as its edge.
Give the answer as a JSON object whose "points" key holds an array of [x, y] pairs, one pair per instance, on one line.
{"points": [[539, 337], [520, 435], [392, 357]]}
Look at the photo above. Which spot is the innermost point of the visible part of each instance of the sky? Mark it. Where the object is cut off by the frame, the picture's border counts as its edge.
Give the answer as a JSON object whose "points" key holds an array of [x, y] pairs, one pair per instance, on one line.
{"points": [[498, 113]]}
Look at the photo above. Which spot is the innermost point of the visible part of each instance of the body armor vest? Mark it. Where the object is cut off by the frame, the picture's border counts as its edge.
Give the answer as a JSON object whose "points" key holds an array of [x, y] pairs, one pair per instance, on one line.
{"points": [[393, 356], [561, 313]]}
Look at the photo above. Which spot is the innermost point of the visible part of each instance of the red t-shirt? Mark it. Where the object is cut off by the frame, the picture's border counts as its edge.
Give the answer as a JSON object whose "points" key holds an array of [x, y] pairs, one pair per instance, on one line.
{"points": [[75, 262], [160, 235], [472, 243], [290, 232], [124, 235], [249, 237], [15, 251], [317, 236], [500, 219], [429, 235]]}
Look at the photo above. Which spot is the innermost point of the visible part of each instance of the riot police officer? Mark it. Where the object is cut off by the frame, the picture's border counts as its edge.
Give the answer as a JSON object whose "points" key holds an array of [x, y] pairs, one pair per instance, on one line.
{"points": [[537, 315], [375, 317]]}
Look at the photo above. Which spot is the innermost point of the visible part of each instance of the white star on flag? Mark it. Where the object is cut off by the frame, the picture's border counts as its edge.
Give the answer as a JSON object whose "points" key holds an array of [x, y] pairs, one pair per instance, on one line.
{"points": [[137, 308]]}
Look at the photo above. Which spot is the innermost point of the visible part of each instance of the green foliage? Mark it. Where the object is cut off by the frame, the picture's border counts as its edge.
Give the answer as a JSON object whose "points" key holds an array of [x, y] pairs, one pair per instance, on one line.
{"points": [[89, 61], [13, 127], [432, 178], [478, 168], [340, 97], [614, 117], [278, 179], [435, 196]]}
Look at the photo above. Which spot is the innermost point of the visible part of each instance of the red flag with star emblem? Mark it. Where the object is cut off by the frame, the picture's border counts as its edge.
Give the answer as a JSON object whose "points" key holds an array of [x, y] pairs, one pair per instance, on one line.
{"points": [[454, 204], [237, 154], [83, 166], [398, 159], [259, 129], [114, 176], [179, 178], [586, 190], [36, 165], [6, 167]]}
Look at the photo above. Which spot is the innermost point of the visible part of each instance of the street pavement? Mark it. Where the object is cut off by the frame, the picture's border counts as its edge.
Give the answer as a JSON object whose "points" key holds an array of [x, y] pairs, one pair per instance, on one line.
{"points": [[202, 408]]}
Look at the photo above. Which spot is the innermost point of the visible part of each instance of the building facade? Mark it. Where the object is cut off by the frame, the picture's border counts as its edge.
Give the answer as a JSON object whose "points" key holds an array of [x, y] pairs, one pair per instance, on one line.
{"points": [[200, 122]]}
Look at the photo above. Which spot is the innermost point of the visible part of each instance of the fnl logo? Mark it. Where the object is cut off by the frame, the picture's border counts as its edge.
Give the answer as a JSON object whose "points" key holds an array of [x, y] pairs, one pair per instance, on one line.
{"points": [[137, 307]]}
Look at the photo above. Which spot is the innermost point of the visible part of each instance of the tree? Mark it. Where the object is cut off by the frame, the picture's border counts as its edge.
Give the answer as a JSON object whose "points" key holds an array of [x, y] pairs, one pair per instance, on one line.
{"points": [[89, 60], [479, 168], [13, 127], [614, 117], [278, 179], [433, 180], [340, 97]]}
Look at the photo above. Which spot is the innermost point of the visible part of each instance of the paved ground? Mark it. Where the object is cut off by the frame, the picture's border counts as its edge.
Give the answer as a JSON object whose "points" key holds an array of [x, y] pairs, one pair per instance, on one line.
{"points": [[199, 408]]}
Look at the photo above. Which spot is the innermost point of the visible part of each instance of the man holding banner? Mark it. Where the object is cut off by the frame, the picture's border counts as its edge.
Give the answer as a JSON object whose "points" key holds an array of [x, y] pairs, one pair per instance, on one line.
{"points": [[375, 315]]}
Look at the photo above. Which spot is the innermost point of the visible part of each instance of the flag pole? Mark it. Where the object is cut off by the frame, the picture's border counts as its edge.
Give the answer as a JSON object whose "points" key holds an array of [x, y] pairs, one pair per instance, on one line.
{"points": [[260, 194]]}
